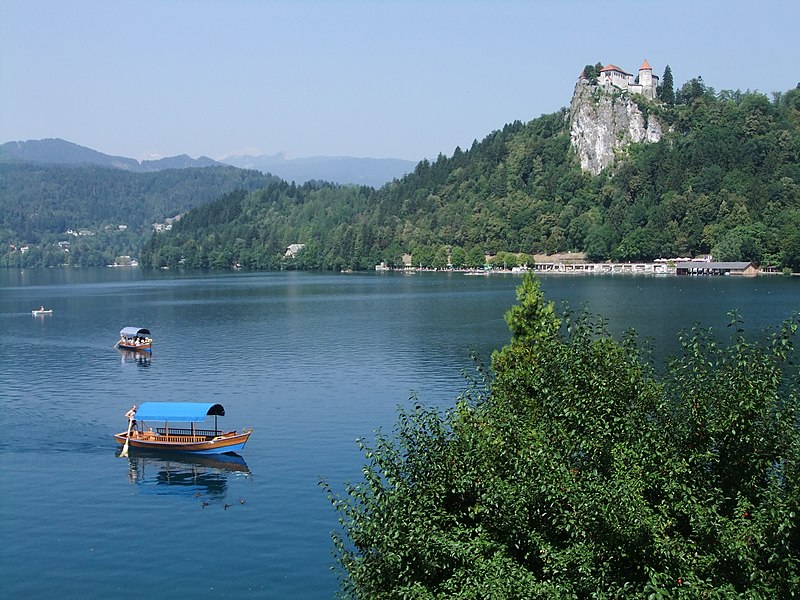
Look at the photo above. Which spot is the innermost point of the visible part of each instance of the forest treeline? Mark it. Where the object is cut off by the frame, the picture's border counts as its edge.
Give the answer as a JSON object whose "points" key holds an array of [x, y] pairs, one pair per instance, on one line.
{"points": [[724, 180], [39, 203]]}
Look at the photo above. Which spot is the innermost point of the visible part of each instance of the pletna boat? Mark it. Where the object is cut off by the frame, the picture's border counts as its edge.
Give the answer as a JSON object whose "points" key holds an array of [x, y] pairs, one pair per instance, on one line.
{"points": [[135, 338], [163, 437]]}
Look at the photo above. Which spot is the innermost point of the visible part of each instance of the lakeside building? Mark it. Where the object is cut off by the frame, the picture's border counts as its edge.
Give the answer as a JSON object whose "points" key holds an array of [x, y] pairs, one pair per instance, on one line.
{"points": [[745, 269]]}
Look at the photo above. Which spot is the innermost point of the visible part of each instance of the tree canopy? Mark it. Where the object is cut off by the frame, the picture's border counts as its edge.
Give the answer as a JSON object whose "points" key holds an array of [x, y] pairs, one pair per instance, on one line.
{"points": [[666, 90], [724, 180], [39, 203], [574, 469]]}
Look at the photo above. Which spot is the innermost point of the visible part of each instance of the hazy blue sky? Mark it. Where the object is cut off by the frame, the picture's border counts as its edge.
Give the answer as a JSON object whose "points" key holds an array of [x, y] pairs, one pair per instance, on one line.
{"points": [[380, 79]]}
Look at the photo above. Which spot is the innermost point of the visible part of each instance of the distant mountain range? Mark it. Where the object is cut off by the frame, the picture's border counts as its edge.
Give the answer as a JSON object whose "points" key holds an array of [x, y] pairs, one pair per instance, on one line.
{"points": [[62, 152], [337, 169]]}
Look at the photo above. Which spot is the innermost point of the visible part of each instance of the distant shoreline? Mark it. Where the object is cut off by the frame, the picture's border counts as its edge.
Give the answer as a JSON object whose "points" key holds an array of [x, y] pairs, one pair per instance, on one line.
{"points": [[587, 269]]}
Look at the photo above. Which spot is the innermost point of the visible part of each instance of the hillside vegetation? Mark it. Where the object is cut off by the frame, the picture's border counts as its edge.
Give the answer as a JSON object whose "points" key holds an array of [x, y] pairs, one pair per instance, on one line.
{"points": [[40, 202], [724, 179]]}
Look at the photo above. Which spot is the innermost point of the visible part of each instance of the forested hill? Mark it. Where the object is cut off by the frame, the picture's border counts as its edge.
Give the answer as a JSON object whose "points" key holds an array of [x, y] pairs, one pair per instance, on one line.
{"points": [[39, 203], [724, 179]]}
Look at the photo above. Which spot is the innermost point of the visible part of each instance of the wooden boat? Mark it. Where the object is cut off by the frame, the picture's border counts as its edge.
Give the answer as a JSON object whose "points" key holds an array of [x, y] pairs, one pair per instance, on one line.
{"points": [[42, 311], [179, 439], [135, 338]]}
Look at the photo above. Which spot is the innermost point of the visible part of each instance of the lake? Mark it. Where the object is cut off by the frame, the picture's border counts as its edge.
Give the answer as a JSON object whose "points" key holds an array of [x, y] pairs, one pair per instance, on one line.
{"points": [[310, 361]]}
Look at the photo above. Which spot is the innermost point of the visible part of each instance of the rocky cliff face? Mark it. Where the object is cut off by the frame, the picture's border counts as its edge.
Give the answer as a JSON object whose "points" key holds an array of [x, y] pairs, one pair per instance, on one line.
{"points": [[603, 123]]}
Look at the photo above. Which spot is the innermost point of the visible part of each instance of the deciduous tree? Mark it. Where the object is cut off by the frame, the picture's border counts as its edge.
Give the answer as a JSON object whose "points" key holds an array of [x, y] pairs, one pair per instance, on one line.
{"points": [[577, 471]]}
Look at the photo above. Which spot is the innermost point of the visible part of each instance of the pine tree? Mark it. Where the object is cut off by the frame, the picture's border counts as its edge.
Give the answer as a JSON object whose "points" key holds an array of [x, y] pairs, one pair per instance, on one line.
{"points": [[666, 93]]}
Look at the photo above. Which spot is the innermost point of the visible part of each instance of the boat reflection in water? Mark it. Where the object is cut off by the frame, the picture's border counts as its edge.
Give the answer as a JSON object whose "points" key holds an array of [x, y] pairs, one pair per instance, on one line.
{"points": [[141, 359], [197, 477]]}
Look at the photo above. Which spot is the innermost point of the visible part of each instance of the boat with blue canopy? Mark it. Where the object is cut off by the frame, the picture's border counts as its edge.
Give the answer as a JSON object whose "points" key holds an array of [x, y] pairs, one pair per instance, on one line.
{"points": [[164, 437], [135, 338]]}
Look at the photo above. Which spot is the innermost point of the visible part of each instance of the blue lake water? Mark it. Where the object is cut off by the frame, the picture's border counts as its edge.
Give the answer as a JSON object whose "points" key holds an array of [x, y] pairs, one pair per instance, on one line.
{"points": [[310, 361]]}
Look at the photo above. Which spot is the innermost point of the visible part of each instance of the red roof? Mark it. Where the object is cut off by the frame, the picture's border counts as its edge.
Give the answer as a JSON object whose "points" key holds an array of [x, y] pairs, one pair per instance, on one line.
{"points": [[610, 67], [645, 66]]}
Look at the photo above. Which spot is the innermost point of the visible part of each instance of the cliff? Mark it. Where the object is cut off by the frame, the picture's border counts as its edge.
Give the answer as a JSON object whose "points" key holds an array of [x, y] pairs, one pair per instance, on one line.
{"points": [[603, 122]]}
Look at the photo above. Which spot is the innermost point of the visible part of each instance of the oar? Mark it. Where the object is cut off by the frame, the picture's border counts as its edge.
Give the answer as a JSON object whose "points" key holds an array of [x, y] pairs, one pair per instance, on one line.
{"points": [[124, 452]]}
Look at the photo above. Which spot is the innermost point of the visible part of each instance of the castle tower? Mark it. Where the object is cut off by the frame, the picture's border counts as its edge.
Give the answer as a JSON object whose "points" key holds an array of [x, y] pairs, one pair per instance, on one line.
{"points": [[646, 80]]}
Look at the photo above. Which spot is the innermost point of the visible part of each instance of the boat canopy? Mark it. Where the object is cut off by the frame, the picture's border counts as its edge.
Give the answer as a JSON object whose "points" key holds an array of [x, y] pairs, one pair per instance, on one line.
{"points": [[181, 412], [133, 332]]}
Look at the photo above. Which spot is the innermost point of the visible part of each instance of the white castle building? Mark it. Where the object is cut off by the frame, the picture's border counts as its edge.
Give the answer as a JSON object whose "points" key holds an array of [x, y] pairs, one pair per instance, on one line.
{"points": [[645, 84]]}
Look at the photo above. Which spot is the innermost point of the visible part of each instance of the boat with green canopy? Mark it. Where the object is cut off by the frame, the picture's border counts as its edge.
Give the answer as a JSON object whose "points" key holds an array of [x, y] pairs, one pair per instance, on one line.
{"points": [[166, 437]]}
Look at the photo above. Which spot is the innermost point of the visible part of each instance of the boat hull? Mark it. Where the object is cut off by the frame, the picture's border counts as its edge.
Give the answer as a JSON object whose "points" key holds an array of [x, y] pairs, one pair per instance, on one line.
{"points": [[139, 348], [218, 445]]}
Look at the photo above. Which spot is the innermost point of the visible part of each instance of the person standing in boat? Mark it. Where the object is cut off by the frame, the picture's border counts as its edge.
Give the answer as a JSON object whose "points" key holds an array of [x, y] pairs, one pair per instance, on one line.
{"points": [[132, 422]]}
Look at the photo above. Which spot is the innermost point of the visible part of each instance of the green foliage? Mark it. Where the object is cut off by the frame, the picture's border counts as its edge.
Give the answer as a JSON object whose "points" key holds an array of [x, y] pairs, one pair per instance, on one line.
{"points": [[666, 91], [577, 471], [39, 203], [592, 72], [254, 230], [725, 178], [475, 258]]}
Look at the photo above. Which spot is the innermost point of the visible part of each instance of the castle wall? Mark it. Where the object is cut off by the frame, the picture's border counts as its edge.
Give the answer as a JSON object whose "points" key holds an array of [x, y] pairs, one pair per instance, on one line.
{"points": [[646, 85], [615, 78]]}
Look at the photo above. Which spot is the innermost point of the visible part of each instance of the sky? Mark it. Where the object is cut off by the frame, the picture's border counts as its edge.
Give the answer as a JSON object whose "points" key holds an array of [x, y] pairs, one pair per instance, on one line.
{"points": [[381, 79]]}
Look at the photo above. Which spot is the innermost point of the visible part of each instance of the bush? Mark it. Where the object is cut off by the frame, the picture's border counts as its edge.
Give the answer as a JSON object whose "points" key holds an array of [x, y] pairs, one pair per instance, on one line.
{"points": [[577, 471]]}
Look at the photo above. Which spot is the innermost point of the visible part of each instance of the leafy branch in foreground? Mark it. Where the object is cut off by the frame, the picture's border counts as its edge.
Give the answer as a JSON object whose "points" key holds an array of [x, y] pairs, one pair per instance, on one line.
{"points": [[581, 472]]}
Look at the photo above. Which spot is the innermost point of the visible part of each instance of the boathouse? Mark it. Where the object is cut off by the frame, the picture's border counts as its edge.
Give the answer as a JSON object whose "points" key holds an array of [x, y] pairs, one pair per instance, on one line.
{"points": [[746, 269]]}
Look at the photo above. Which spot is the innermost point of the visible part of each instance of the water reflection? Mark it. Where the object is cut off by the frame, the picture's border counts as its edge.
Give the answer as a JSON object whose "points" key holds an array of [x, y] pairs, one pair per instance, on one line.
{"points": [[202, 477], [140, 359]]}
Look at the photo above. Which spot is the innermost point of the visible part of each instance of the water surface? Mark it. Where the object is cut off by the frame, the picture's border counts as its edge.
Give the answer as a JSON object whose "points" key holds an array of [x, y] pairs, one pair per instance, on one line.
{"points": [[310, 361]]}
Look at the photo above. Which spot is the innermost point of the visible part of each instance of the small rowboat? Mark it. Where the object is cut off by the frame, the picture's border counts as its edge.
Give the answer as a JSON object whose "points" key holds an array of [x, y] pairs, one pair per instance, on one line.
{"points": [[179, 439], [42, 311], [135, 338]]}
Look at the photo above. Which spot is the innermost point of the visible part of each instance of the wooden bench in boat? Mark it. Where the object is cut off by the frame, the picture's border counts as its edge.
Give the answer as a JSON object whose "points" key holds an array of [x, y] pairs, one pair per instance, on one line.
{"points": [[172, 431], [179, 435]]}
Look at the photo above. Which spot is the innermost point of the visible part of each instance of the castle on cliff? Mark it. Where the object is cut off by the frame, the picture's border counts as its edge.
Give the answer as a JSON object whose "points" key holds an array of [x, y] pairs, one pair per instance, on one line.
{"points": [[645, 83]]}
